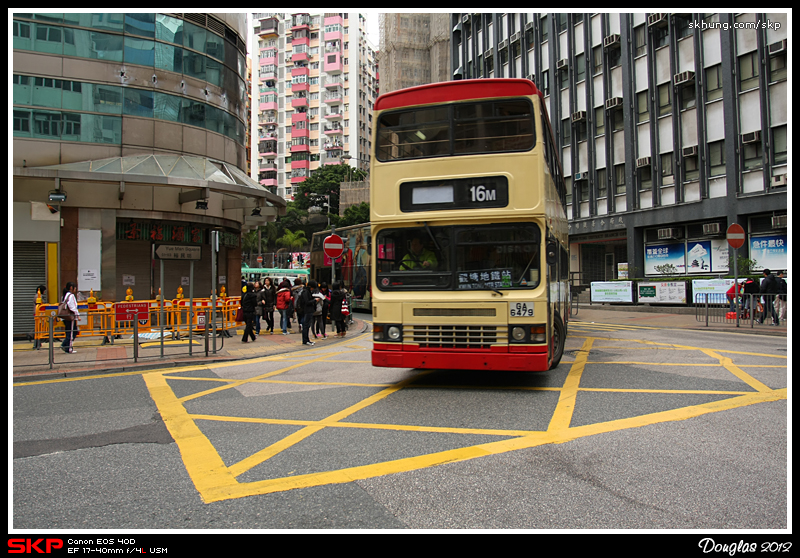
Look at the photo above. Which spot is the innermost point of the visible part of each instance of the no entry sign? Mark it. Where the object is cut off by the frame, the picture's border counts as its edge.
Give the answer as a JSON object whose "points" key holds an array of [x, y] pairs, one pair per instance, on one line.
{"points": [[735, 236], [333, 246]]}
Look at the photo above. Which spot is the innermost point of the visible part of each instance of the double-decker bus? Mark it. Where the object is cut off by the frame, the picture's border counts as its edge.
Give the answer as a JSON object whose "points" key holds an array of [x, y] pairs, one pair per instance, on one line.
{"points": [[470, 260], [353, 269]]}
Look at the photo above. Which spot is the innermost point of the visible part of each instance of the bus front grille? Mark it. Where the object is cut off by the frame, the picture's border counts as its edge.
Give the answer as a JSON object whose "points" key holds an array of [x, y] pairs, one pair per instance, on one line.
{"points": [[456, 337]]}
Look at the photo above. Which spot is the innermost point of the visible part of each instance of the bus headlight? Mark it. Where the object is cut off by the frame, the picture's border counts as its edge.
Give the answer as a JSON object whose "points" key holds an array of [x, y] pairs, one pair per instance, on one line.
{"points": [[383, 333], [518, 333]]}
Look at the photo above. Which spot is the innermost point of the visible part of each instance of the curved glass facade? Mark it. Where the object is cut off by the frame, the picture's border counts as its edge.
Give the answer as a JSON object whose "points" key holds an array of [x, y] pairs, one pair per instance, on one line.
{"points": [[153, 40]]}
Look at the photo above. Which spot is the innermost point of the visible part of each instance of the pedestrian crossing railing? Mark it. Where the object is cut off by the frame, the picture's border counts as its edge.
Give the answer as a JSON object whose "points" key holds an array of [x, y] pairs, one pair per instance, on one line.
{"points": [[747, 310]]}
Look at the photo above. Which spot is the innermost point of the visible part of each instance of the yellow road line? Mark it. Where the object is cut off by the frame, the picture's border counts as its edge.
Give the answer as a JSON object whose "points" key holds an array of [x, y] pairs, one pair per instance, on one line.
{"points": [[268, 452], [566, 401], [727, 362]]}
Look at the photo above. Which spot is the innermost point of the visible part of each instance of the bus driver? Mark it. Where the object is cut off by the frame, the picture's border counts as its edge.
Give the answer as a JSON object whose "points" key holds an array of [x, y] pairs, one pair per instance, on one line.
{"points": [[418, 257]]}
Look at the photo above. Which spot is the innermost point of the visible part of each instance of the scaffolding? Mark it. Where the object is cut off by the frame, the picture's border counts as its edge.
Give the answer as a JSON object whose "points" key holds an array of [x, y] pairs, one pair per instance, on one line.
{"points": [[414, 50]]}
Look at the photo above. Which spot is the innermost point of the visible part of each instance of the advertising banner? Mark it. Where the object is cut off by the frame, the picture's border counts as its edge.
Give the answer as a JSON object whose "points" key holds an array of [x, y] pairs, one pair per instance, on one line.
{"points": [[665, 254], [670, 292], [770, 252], [612, 291]]}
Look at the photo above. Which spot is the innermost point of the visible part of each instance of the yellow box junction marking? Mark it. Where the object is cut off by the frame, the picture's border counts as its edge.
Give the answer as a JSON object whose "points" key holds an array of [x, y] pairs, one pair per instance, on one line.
{"points": [[215, 481]]}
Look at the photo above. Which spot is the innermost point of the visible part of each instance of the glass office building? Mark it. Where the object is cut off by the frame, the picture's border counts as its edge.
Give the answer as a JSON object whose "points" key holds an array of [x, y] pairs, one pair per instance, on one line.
{"points": [[132, 127]]}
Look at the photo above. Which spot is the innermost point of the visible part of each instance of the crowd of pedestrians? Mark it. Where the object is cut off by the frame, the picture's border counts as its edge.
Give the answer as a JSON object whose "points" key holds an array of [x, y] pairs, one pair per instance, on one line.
{"points": [[310, 306]]}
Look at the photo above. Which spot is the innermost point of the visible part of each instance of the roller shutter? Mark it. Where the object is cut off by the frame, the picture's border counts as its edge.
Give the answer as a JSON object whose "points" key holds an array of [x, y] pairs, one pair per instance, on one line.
{"points": [[29, 272]]}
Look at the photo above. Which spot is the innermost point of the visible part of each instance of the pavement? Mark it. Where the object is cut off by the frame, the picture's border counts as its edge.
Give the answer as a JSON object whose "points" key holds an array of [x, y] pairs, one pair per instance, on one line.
{"points": [[92, 357]]}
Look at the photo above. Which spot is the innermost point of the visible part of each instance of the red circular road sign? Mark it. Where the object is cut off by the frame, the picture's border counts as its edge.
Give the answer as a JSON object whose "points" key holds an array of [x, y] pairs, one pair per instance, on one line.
{"points": [[735, 236], [333, 246], [260, 259]]}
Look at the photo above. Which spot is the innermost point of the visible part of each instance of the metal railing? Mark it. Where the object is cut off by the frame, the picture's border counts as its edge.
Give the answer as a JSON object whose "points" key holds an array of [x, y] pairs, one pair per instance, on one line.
{"points": [[176, 319], [749, 308]]}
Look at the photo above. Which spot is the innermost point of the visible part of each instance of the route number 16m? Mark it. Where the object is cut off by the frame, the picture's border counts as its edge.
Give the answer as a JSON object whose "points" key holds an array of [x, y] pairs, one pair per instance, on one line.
{"points": [[482, 194]]}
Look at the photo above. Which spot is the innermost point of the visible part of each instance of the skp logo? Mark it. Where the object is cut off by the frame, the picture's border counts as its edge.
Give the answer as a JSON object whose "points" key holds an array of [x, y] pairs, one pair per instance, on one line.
{"points": [[29, 546]]}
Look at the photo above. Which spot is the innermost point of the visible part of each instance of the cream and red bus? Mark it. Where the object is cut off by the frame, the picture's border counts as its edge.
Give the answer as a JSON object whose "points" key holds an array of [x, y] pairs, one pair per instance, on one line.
{"points": [[470, 259]]}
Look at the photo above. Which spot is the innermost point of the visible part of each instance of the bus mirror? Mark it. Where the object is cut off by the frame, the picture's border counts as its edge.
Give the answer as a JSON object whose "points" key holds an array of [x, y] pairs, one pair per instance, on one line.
{"points": [[552, 252]]}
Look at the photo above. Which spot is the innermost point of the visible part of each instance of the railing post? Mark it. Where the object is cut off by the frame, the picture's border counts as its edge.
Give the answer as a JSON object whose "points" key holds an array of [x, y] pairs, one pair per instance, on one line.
{"points": [[50, 335]]}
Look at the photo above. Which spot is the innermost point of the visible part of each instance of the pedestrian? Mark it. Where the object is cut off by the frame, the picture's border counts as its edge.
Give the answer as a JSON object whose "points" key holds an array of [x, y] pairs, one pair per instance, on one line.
{"points": [[326, 304], [783, 297], [298, 308], [733, 293], [70, 325], [769, 290], [249, 311], [307, 303], [258, 309], [337, 317], [751, 288], [40, 290], [268, 300], [283, 302]]}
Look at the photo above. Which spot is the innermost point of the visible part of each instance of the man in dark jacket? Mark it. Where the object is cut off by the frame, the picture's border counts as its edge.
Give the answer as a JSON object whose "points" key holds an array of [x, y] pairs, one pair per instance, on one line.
{"points": [[750, 289], [769, 288], [249, 311], [307, 303]]}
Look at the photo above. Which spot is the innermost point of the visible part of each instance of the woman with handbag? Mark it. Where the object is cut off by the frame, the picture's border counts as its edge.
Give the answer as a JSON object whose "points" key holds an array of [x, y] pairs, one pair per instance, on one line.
{"points": [[249, 311], [69, 304]]}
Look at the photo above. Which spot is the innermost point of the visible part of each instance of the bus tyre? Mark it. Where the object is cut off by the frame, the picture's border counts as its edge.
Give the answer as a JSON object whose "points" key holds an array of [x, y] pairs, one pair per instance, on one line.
{"points": [[559, 338]]}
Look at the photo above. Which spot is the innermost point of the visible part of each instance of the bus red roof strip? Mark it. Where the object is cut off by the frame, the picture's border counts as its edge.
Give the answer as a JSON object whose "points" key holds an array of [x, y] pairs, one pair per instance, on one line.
{"points": [[460, 90]]}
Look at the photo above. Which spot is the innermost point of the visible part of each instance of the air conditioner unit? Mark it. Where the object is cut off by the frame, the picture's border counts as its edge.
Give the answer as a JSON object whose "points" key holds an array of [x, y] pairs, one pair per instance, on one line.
{"points": [[613, 103], [665, 234], [503, 44], [643, 162], [579, 116], [777, 48], [488, 53], [657, 19], [562, 64], [752, 137], [778, 181], [611, 41], [683, 78], [529, 26], [779, 222], [581, 176], [690, 151], [516, 37], [711, 228]]}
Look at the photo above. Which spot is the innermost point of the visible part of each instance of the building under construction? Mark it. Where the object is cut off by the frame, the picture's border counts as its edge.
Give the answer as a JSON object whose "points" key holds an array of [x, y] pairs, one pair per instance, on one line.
{"points": [[414, 50]]}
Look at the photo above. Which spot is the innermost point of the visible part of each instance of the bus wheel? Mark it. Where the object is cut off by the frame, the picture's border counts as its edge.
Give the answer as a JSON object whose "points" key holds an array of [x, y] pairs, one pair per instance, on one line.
{"points": [[559, 338]]}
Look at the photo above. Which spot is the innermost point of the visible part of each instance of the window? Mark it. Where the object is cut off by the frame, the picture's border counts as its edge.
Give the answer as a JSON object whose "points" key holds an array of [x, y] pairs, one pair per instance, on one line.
{"points": [[602, 183], [667, 172], [600, 121], [752, 154], [748, 71], [716, 158], [777, 68], [483, 257], [619, 179], [597, 60], [460, 129], [642, 114], [779, 145], [580, 67], [640, 40], [645, 178], [664, 104], [714, 82], [688, 98]]}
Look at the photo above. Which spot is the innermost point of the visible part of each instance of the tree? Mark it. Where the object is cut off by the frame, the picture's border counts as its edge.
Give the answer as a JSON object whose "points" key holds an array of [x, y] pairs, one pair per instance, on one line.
{"points": [[293, 240], [323, 183], [354, 215]]}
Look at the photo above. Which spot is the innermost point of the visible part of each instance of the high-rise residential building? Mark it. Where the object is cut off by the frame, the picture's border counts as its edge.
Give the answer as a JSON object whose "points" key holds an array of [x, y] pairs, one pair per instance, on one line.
{"points": [[132, 127], [671, 127], [315, 82]]}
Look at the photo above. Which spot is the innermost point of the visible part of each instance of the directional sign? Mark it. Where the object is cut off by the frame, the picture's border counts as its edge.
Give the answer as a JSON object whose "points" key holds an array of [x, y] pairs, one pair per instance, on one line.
{"points": [[129, 311], [177, 252], [735, 236], [333, 246]]}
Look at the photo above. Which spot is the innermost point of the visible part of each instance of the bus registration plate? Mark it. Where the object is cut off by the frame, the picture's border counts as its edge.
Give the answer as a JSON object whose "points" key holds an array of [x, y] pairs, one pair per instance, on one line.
{"points": [[521, 309]]}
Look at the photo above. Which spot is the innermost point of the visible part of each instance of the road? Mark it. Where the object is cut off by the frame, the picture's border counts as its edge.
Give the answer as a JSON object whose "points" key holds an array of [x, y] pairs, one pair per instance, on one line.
{"points": [[638, 428]]}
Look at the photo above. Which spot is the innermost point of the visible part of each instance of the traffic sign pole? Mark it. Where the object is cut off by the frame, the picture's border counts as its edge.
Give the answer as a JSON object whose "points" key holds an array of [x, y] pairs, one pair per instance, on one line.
{"points": [[735, 236]]}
